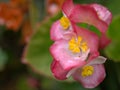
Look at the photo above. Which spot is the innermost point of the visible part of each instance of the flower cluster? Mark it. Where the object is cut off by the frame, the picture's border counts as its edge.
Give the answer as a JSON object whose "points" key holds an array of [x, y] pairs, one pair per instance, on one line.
{"points": [[10, 17], [76, 49], [12, 13]]}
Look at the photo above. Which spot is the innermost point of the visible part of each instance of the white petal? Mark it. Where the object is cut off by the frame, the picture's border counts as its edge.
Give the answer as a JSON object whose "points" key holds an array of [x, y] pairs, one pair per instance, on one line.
{"points": [[71, 72], [98, 60]]}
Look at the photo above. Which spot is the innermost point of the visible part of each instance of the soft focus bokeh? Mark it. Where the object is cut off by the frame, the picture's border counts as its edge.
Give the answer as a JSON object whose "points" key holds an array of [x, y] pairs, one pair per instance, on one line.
{"points": [[24, 45]]}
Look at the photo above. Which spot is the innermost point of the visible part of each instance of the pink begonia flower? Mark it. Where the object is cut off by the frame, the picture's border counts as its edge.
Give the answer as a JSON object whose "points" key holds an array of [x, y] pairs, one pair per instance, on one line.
{"points": [[75, 50], [92, 74], [68, 61], [73, 53], [90, 77], [92, 14]]}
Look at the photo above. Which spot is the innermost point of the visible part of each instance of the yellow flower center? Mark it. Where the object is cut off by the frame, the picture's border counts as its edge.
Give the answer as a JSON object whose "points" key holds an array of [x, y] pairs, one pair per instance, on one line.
{"points": [[87, 71], [64, 22], [77, 45]]}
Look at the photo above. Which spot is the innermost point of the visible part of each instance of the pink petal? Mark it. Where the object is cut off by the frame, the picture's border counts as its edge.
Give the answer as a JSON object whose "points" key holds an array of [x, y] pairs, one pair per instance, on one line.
{"points": [[87, 14], [59, 50], [67, 7], [58, 71], [57, 32], [93, 80], [93, 55], [103, 13], [91, 38], [104, 41]]}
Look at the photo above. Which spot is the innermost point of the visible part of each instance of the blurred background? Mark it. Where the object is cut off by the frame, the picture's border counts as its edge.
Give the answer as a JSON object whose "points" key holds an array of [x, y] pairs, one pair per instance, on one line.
{"points": [[24, 45]]}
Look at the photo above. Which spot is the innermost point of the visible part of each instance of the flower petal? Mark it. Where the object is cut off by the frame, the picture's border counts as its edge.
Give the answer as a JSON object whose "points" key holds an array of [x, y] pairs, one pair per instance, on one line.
{"points": [[58, 71], [57, 32], [67, 7], [91, 38], [60, 52], [87, 14], [94, 14], [98, 60], [104, 41], [93, 80], [103, 13]]}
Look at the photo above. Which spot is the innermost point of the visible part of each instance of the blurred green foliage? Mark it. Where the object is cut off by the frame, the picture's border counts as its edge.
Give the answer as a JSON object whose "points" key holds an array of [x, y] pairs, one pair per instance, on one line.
{"points": [[37, 53], [3, 59], [113, 50]]}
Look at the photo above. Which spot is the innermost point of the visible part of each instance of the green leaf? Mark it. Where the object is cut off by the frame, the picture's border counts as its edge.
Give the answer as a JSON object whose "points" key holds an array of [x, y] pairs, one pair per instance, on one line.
{"points": [[114, 29], [3, 59], [90, 27], [113, 6], [113, 51], [37, 54]]}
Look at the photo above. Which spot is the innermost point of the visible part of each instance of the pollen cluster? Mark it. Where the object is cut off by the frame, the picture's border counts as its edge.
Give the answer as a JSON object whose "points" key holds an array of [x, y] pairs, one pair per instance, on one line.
{"points": [[77, 45], [87, 71], [64, 22]]}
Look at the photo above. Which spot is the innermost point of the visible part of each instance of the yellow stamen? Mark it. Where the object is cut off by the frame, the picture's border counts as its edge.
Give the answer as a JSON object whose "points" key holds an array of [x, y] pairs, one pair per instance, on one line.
{"points": [[84, 46], [87, 71], [76, 45], [64, 22]]}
